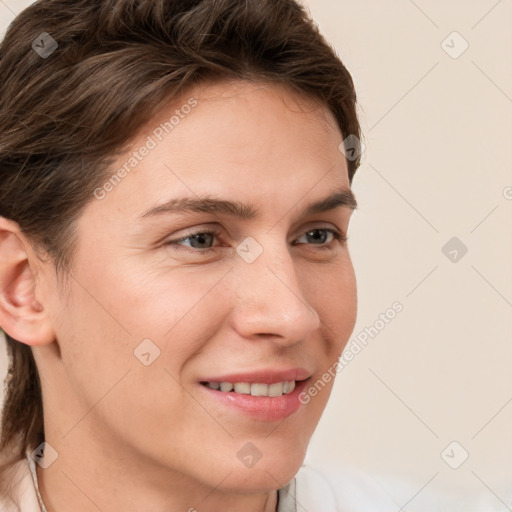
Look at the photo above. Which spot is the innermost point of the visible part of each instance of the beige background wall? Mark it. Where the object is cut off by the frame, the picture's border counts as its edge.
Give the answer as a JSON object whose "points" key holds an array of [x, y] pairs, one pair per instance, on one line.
{"points": [[438, 162]]}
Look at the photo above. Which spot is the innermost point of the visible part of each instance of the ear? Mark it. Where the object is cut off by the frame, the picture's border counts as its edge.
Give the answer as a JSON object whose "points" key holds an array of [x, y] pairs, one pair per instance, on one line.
{"points": [[21, 316]]}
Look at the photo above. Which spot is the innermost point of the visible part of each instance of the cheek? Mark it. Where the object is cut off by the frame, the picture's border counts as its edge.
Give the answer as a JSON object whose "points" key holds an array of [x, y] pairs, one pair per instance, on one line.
{"points": [[96, 347], [347, 300], [179, 310], [333, 294], [109, 384], [169, 307]]}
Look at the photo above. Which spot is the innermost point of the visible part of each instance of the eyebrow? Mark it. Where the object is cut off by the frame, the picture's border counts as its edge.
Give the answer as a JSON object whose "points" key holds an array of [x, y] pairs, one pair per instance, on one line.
{"points": [[210, 204]]}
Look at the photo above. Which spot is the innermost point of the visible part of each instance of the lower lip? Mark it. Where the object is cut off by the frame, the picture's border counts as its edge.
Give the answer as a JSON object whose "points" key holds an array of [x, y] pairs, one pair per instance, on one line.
{"points": [[263, 408]]}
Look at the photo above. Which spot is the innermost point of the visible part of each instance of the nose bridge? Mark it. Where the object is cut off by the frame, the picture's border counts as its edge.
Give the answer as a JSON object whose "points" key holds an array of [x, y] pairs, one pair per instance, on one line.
{"points": [[270, 298]]}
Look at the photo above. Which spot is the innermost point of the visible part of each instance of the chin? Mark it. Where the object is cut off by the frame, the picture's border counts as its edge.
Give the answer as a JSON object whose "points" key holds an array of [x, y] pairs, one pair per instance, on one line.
{"points": [[264, 476]]}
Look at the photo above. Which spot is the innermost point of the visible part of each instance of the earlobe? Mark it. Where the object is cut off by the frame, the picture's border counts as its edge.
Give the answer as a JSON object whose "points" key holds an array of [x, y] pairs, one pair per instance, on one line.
{"points": [[21, 315]]}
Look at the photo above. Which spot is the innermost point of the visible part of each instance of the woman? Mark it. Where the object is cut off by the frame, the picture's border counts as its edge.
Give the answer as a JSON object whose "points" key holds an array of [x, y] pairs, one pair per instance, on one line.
{"points": [[175, 279]]}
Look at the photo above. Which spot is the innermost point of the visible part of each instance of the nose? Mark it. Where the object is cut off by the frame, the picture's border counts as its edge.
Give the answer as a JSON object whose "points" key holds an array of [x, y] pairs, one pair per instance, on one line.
{"points": [[270, 301]]}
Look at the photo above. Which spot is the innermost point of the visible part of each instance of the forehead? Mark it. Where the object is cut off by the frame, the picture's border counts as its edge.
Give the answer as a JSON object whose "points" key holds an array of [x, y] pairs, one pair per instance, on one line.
{"points": [[241, 118], [245, 140]]}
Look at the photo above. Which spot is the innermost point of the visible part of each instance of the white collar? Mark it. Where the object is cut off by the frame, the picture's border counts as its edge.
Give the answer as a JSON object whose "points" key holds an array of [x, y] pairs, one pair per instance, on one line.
{"points": [[32, 466]]}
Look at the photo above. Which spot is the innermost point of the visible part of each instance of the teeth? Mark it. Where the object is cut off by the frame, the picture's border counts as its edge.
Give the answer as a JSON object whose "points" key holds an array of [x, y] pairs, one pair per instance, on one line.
{"points": [[243, 388], [256, 389], [276, 389], [259, 389], [226, 386]]}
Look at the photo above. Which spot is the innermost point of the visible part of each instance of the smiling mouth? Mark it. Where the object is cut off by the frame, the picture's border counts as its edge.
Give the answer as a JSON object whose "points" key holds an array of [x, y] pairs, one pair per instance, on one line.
{"points": [[255, 389]]}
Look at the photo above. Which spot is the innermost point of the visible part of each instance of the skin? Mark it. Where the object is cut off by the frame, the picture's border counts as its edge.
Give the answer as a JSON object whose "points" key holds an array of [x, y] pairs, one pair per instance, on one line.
{"points": [[134, 437]]}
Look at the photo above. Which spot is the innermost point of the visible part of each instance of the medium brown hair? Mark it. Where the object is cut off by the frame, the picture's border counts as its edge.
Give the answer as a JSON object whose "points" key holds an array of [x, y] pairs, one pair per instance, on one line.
{"points": [[65, 115]]}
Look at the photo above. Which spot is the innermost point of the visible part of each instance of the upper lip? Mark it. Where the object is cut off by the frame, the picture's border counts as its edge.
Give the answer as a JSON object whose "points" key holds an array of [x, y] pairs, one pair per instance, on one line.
{"points": [[264, 376]]}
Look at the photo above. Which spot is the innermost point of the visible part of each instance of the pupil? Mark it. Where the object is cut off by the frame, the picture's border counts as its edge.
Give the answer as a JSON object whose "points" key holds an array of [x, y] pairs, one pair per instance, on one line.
{"points": [[318, 231], [201, 238]]}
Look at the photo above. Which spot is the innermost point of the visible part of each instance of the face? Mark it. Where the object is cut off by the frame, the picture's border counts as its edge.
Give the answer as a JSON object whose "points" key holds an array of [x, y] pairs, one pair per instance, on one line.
{"points": [[165, 306]]}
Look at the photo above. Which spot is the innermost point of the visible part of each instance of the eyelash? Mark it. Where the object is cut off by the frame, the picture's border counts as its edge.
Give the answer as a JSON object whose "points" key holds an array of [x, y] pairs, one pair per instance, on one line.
{"points": [[339, 237]]}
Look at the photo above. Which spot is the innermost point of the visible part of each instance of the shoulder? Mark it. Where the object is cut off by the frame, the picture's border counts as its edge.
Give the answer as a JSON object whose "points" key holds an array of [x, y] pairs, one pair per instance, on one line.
{"points": [[22, 496]]}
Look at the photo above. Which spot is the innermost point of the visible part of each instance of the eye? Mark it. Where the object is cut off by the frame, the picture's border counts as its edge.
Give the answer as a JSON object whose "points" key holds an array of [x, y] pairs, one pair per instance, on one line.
{"points": [[203, 240], [319, 236], [198, 240]]}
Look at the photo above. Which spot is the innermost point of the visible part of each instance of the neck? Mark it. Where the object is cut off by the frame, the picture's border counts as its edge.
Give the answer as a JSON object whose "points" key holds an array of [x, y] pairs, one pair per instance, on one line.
{"points": [[92, 482], [65, 490]]}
